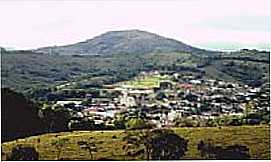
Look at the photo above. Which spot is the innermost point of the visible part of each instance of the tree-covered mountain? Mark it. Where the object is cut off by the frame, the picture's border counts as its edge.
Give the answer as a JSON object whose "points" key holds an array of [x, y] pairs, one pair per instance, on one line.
{"points": [[123, 42]]}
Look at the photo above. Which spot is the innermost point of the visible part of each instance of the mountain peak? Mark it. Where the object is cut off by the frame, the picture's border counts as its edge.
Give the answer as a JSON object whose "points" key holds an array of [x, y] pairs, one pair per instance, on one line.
{"points": [[128, 31], [129, 34], [132, 41]]}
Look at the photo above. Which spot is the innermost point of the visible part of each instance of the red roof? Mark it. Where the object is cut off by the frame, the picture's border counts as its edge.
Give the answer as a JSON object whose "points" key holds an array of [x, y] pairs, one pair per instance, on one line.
{"points": [[185, 86]]}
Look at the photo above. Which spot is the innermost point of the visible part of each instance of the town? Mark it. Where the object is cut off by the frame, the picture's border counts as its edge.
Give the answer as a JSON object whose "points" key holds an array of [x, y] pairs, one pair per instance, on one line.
{"points": [[162, 99]]}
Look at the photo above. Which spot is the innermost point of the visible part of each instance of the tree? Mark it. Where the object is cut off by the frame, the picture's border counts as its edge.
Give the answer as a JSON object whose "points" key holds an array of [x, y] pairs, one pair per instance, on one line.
{"points": [[19, 116], [119, 124], [156, 144], [136, 143], [21, 152], [160, 96], [119, 121], [59, 145], [166, 145], [56, 117], [234, 121], [39, 93]]}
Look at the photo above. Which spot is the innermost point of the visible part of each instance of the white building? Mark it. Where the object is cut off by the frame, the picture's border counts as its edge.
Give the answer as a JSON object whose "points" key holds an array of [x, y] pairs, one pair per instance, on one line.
{"points": [[62, 103]]}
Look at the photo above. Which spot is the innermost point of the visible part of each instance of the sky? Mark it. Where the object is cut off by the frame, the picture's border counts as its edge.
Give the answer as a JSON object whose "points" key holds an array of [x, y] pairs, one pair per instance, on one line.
{"points": [[209, 24]]}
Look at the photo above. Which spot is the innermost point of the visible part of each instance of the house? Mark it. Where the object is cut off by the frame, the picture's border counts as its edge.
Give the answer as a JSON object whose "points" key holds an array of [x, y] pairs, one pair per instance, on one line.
{"points": [[98, 122], [185, 86], [195, 81], [155, 123], [127, 101], [63, 103], [176, 76], [101, 100], [236, 114]]}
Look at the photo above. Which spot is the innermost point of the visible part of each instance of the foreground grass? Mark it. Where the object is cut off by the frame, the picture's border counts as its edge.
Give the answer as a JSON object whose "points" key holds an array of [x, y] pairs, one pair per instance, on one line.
{"points": [[257, 138]]}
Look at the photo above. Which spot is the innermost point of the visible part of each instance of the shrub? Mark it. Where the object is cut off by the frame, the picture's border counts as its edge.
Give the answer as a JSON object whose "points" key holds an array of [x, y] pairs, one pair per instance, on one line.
{"points": [[234, 152], [21, 152], [119, 124], [135, 123], [114, 137]]}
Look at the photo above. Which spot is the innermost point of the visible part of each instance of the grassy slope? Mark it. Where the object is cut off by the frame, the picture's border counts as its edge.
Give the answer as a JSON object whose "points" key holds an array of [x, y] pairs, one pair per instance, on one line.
{"points": [[257, 138]]}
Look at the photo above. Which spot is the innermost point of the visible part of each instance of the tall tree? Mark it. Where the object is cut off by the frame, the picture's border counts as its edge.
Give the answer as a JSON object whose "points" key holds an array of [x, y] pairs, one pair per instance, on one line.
{"points": [[155, 144]]}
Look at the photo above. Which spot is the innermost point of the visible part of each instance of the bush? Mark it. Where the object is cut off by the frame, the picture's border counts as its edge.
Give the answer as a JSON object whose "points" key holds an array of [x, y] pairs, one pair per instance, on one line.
{"points": [[20, 152], [233, 122], [234, 152], [114, 137], [119, 124], [135, 123]]}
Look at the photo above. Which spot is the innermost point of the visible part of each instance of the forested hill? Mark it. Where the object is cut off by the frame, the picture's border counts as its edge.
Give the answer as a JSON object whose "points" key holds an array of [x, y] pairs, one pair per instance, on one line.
{"points": [[123, 42]]}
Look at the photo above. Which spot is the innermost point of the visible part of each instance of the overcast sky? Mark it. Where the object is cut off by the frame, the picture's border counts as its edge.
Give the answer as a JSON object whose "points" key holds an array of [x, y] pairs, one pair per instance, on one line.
{"points": [[203, 23]]}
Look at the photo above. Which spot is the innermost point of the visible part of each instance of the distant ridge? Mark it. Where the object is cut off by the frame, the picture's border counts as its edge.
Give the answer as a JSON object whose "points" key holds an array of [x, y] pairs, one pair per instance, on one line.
{"points": [[127, 42]]}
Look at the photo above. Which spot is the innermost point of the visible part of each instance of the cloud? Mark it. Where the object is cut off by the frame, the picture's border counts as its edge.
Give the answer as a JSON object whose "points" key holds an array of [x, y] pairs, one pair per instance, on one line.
{"points": [[239, 23]]}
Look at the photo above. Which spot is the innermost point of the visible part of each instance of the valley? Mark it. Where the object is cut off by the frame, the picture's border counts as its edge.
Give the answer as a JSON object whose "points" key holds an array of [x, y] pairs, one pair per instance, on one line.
{"points": [[134, 82]]}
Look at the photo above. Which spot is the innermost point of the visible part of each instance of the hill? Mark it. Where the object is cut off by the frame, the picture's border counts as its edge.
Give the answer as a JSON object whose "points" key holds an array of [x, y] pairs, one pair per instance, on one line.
{"points": [[120, 55], [23, 71], [109, 143], [123, 42]]}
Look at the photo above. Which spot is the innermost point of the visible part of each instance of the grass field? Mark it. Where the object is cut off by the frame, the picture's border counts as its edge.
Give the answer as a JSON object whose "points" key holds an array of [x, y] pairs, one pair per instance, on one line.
{"points": [[257, 138], [145, 82]]}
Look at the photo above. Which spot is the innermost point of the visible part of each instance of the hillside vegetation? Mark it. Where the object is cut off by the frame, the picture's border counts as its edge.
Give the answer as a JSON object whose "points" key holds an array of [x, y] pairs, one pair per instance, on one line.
{"points": [[110, 143], [23, 72]]}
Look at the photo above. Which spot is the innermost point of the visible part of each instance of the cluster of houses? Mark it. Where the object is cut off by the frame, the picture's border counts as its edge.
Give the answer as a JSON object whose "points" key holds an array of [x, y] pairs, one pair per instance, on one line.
{"points": [[174, 98]]}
